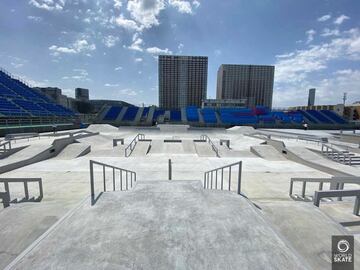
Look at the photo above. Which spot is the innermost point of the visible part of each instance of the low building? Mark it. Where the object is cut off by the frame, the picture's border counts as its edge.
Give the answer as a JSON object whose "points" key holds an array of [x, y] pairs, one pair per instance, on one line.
{"points": [[338, 108], [352, 112], [224, 103]]}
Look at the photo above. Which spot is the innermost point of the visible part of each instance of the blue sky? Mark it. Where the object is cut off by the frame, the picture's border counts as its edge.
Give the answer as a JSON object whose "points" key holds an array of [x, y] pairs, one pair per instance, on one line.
{"points": [[110, 46]]}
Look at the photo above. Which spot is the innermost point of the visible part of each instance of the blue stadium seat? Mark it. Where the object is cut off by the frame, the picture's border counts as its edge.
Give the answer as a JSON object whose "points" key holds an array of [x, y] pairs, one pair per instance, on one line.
{"points": [[317, 115], [113, 113], [26, 101], [175, 116], [192, 114], [157, 113], [209, 115], [334, 116], [130, 114]]}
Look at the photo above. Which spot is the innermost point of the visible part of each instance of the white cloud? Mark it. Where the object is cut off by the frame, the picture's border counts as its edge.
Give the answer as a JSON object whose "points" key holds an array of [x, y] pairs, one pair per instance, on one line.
{"points": [[157, 51], [80, 74], [34, 18], [181, 6], [111, 84], [327, 32], [310, 35], [339, 20], [286, 55], [49, 5], [137, 43], [298, 64], [324, 18], [217, 52], [196, 3], [17, 65], [110, 41], [145, 12], [138, 60], [117, 4], [128, 92], [118, 68], [129, 25], [78, 46]]}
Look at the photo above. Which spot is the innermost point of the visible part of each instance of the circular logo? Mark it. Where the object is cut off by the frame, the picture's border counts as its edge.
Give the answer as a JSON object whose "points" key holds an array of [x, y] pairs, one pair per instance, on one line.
{"points": [[343, 246]]}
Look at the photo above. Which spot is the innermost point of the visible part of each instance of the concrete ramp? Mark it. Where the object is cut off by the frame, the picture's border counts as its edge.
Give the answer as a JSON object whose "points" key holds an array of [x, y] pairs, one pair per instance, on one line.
{"points": [[226, 152], [203, 149], [163, 225], [73, 151], [141, 149], [267, 152], [188, 146]]}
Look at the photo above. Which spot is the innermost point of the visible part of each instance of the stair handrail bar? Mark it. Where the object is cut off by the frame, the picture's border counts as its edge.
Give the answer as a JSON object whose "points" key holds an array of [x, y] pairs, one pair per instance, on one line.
{"points": [[347, 157], [133, 143], [127, 185], [208, 140], [6, 199], [209, 175]]}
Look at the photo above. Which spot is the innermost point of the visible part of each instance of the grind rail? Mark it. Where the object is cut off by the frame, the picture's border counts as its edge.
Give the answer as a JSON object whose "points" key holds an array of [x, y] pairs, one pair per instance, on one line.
{"points": [[337, 155], [211, 180], [6, 197], [336, 183], [130, 148], [336, 193], [125, 180], [208, 140], [5, 146]]}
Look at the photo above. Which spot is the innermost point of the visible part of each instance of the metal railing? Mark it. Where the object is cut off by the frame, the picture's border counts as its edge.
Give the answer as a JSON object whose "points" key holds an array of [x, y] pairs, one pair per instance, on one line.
{"points": [[208, 140], [336, 183], [130, 148], [6, 197], [337, 155], [126, 179], [212, 181], [5, 146], [336, 193]]}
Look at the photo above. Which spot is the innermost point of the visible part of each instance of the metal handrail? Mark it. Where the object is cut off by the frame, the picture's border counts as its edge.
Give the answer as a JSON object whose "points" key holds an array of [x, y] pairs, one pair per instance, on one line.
{"points": [[123, 186], [5, 146], [209, 177], [336, 182], [336, 155], [336, 193], [207, 139], [6, 195], [133, 143]]}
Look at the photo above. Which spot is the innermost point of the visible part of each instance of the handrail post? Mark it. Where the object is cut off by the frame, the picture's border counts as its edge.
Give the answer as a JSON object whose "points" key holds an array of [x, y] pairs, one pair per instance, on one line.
{"points": [[104, 178], [291, 187], [92, 183], [170, 169], [303, 189], [239, 177], [229, 178], [205, 180], [113, 179]]}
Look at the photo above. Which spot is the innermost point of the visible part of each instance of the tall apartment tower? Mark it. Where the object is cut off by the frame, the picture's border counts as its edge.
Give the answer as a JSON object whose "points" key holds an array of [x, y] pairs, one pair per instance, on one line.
{"points": [[252, 82], [182, 81], [311, 98]]}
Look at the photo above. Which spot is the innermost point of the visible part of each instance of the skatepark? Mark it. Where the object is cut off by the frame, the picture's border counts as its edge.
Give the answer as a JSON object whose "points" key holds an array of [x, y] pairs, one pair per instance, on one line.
{"points": [[148, 202]]}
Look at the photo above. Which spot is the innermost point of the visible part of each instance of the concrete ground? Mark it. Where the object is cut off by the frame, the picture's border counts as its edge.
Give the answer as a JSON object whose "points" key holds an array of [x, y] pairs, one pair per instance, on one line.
{"points": [[265, 181]]}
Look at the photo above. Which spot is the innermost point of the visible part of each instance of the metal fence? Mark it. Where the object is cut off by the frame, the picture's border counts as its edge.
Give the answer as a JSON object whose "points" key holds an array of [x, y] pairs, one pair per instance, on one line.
{"points": [[208, 140], [6, 196], [216, 178], [120, 179], [5, 146], [130, 148], [337, 155]]}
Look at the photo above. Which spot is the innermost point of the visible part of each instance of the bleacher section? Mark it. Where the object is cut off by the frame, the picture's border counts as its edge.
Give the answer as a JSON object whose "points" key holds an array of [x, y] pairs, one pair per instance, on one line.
{"points": [[192, 114], [175, 116], [259, 116], [334, 116], [209, 115], [112, 113], [130, 113], [21, 103]]}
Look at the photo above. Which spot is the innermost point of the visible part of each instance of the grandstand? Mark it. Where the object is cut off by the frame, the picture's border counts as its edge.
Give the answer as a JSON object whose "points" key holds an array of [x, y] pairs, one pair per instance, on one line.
{"points": [[222, 117], [21, 105]]}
